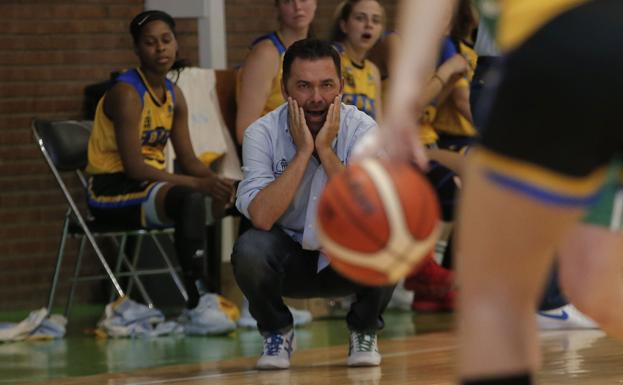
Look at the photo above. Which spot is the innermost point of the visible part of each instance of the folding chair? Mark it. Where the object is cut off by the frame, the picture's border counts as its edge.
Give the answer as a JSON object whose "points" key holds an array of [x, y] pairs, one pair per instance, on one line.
{"points": [[64, 147]]}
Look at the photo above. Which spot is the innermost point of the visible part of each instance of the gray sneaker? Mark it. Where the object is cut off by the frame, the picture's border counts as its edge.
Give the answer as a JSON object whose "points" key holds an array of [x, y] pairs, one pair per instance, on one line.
{"points": [[278, 348], [207, 318], [363, 350]]}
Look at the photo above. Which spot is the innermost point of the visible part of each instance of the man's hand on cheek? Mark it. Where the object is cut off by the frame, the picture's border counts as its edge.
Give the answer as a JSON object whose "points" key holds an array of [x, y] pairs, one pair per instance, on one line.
{"points": [[331, 126]]}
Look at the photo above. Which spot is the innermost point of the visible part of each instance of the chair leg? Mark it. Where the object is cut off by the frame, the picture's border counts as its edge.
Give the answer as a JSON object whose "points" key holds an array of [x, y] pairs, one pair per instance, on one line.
{"points": [[136, 249], [132, 272], [100, 256], [174, 275], [59, 263], [118, 262], [77, 268]]}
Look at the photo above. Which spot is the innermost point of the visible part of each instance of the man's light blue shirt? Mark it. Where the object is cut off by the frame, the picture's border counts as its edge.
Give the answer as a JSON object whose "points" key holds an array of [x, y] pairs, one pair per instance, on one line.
{"points": [[267, 150]]}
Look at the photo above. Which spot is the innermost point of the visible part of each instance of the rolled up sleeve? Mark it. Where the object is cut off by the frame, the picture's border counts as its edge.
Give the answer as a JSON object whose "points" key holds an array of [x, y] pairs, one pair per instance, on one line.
{"points": [[257, 160]]}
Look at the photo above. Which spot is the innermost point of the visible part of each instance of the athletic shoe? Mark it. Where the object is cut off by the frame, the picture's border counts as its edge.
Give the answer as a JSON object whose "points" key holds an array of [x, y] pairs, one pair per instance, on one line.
{"points": [[131, 312], [11, 331], [50, 328], [566, 317], [433, 288], [363, 350], [301, 317], [207, 318], [401, 298], [278, 348], [246, 320]]}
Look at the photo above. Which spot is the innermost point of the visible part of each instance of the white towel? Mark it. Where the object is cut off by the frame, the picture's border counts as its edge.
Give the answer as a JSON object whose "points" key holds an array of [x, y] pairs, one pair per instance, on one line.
{"points": [[208, 133]]}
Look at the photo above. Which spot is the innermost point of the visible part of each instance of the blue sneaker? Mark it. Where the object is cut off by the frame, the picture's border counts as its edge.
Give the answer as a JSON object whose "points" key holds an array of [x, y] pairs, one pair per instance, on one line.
{"points": [[278, 348]]}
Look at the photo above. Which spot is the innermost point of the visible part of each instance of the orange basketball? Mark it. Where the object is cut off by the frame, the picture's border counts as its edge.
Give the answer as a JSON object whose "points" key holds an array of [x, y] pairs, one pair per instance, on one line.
{"points": [[377, 220]]}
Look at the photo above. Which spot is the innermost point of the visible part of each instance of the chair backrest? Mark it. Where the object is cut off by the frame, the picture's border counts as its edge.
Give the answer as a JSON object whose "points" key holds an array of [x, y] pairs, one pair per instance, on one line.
{"points": [[64, 141]]}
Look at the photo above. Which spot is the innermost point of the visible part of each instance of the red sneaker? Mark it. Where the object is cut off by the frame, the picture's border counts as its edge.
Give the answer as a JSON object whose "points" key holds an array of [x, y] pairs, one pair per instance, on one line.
{"points": [[433, 288]]}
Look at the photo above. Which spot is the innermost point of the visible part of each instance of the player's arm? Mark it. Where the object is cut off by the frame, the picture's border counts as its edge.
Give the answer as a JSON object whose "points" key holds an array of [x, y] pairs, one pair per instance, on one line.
{"points": [[422, 24], [460, 98], [257, 74], [443, 82], [123, 107]]}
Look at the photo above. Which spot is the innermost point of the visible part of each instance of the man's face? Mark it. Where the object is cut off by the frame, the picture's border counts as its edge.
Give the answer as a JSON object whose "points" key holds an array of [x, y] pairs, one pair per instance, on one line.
{"points": [[313, 84]]}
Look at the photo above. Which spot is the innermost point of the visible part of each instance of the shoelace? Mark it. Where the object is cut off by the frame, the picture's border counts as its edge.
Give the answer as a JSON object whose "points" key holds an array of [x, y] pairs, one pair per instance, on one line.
{"points": [[363, 342], [273, 344]]}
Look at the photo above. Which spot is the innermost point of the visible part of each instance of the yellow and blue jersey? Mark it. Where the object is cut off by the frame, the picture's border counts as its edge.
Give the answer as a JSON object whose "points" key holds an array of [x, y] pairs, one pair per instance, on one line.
{"points": [[448, 120], [153, 131], [360, 87], [513, 21]]}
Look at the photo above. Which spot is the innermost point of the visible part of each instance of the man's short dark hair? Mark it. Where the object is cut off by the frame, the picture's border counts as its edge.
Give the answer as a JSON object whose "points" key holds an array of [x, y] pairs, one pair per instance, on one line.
{"points": [[310, 49]]}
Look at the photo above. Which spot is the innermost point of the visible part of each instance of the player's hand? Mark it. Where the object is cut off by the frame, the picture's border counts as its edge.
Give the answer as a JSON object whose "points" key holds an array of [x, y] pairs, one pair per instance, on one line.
{"points": [[397, 138], [219, 188], [331, 126], [301, 135], [453, 69]]}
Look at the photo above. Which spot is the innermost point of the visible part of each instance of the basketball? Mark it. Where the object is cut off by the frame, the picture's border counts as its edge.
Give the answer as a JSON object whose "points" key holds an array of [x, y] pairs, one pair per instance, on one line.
{"points": [[377, 221]]}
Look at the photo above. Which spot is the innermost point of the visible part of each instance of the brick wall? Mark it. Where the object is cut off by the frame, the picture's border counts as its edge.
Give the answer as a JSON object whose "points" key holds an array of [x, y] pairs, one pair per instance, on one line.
{"points": [[248, 19], [49, 51]]}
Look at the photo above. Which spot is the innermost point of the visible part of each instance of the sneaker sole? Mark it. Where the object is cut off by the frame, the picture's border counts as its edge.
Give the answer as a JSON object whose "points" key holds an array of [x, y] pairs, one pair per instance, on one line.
{"points": [[363, 364], [271, 367]]}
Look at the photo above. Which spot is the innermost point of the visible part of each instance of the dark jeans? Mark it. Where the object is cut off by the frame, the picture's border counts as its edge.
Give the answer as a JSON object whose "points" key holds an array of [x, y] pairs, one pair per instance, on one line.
{"points": [[269, 265]]}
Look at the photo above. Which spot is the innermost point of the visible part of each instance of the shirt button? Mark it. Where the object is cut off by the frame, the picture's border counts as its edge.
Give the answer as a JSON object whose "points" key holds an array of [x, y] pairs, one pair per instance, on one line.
{"points": [[314, 198]]}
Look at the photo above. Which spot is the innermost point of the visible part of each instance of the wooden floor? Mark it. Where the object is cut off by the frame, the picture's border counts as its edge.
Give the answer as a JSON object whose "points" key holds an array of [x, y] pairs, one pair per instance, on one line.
{"points": [[570, 357]]}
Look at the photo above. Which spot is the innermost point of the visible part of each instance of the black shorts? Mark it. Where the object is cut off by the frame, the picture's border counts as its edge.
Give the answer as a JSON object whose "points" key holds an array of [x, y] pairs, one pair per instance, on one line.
{"points": [[115, 199], [553, 125]]}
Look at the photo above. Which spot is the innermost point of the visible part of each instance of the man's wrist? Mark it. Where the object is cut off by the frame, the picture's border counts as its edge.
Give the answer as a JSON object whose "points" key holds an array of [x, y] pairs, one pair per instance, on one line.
{"points": [[324, 151]]}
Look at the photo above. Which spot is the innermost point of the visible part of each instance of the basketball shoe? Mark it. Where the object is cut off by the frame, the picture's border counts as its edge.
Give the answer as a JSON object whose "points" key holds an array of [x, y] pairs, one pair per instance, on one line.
{"points": [[278, 348], [433, 288], [565, 317], [363, 350], [401, 298]]}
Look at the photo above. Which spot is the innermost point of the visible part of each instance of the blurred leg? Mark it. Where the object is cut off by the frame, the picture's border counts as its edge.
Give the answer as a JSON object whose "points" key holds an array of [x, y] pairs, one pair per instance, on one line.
{"points": [[591, 265], [506, 242]]}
